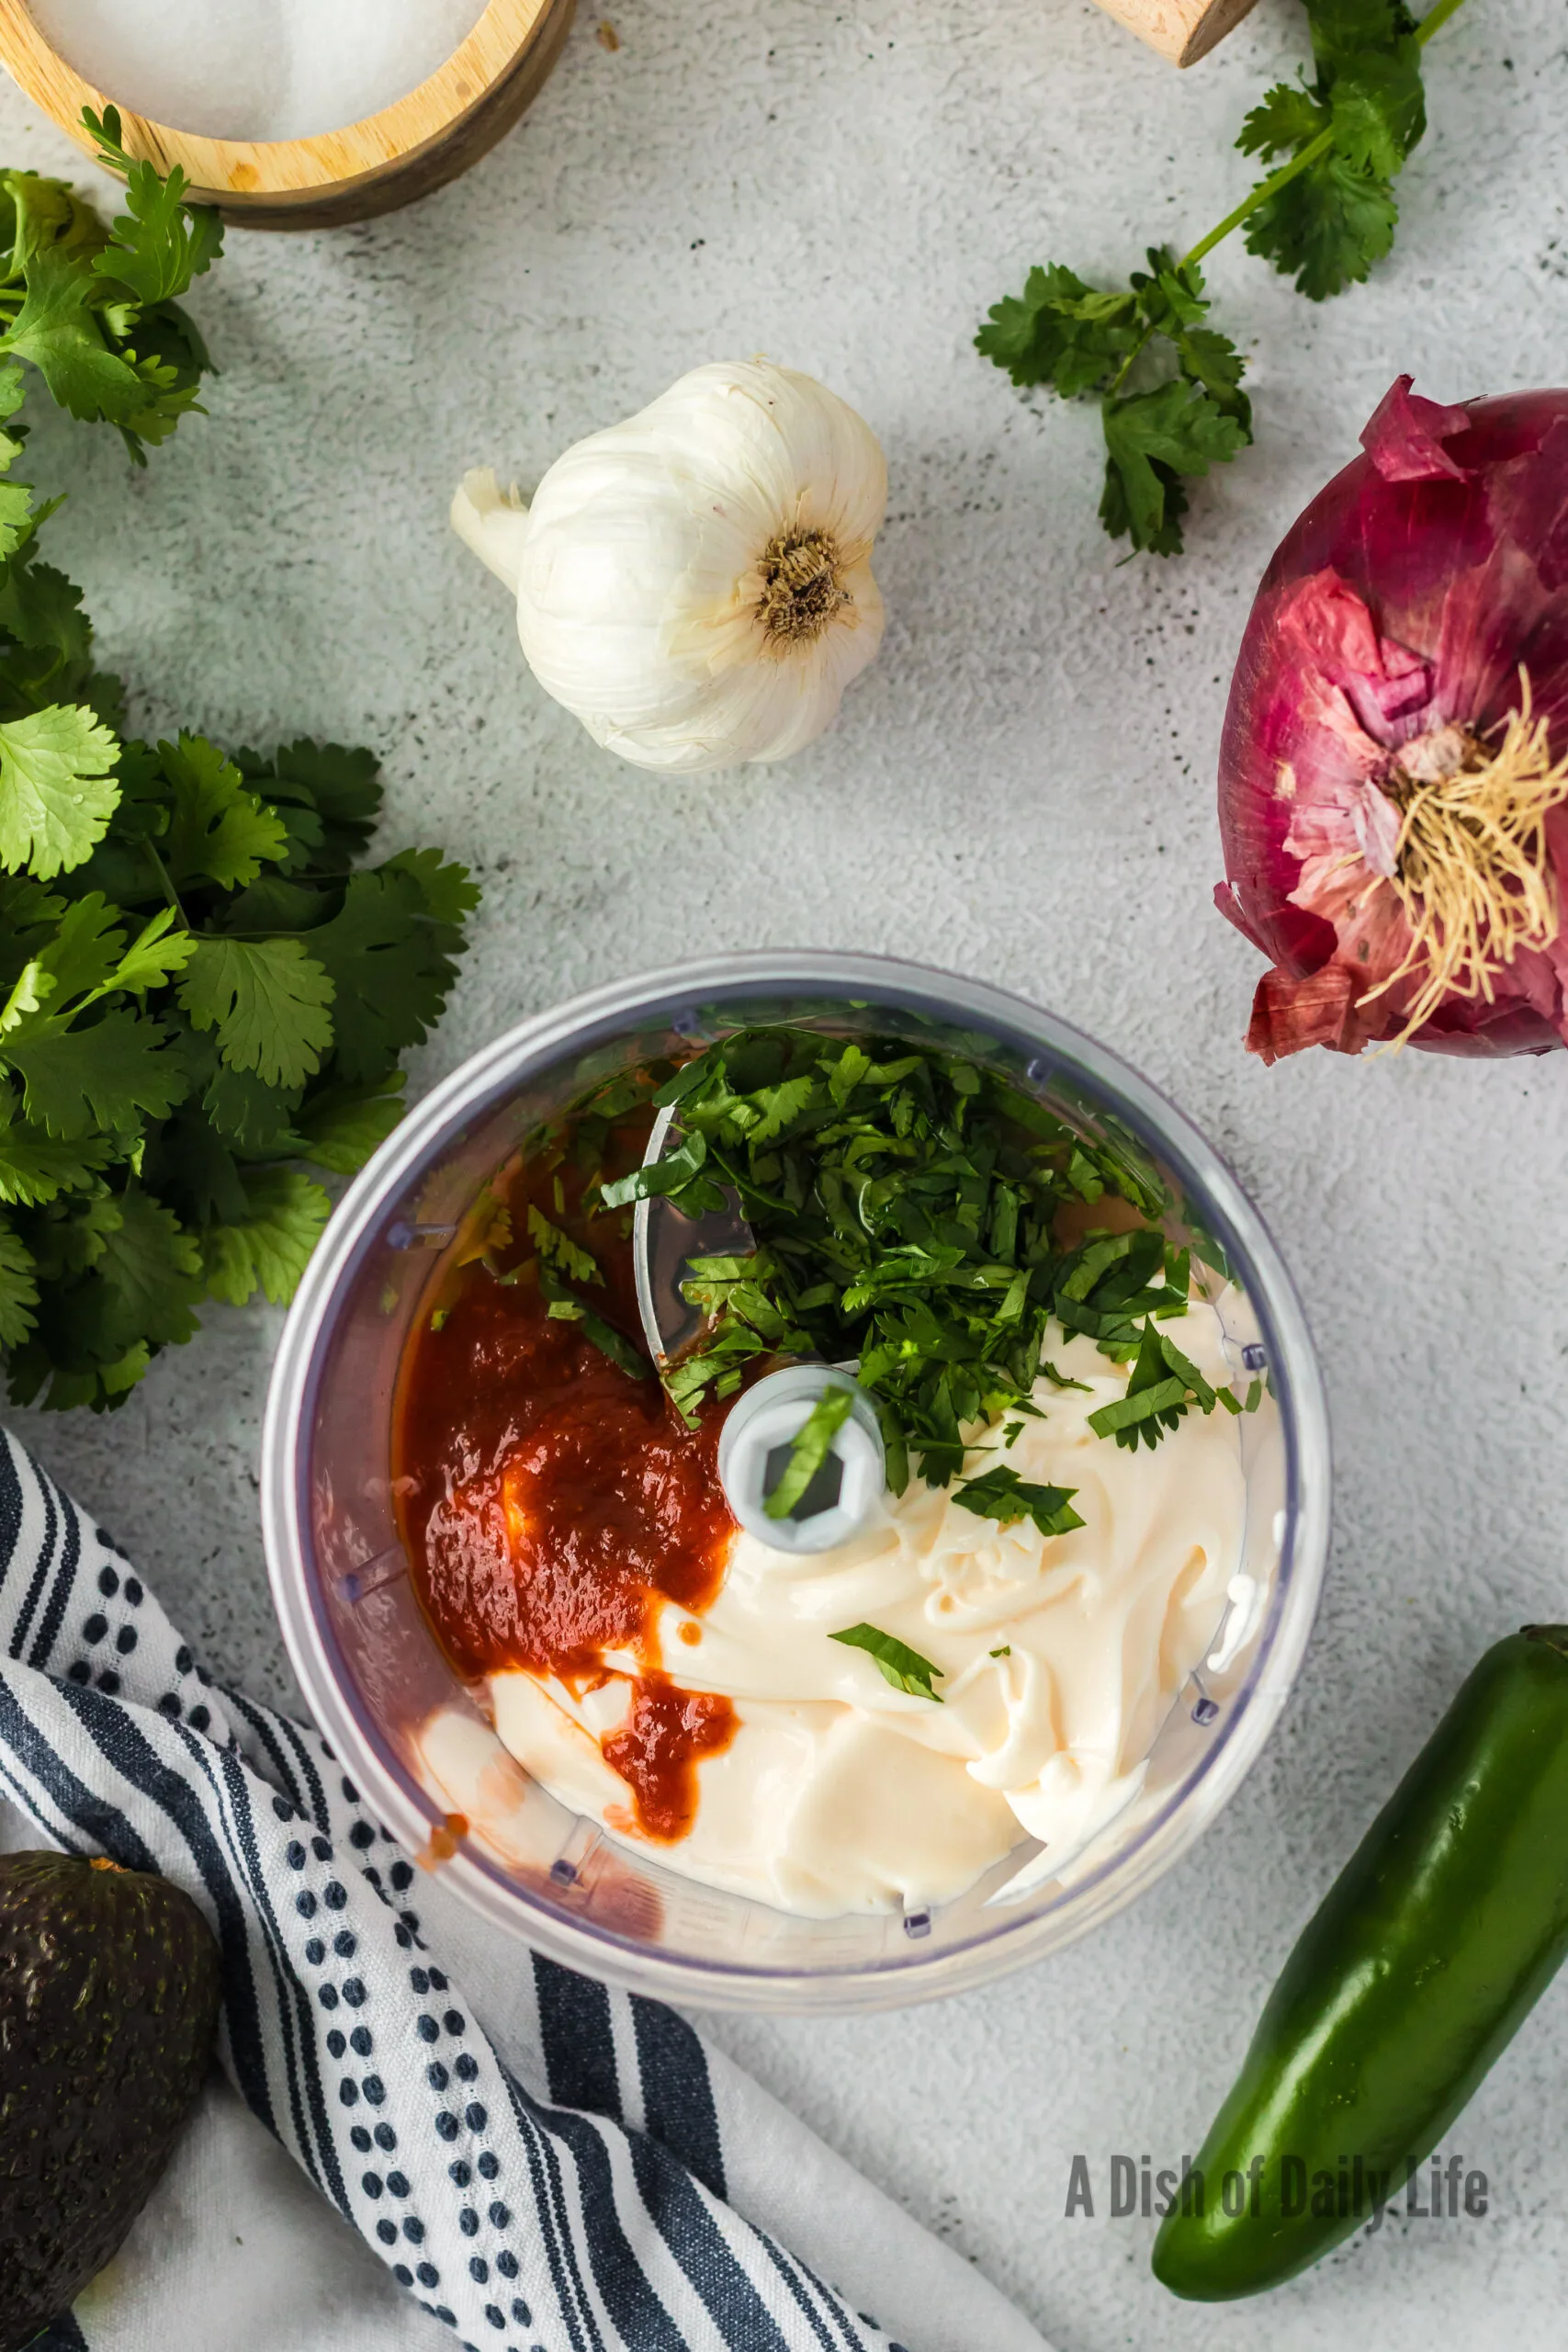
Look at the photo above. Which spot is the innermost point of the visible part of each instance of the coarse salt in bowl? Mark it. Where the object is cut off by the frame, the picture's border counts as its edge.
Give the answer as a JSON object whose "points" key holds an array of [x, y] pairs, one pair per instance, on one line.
{"points": [[284, 114]]}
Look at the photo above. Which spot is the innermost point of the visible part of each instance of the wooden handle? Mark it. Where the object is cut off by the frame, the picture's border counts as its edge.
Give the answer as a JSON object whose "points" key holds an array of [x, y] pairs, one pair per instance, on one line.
{"points": [[1183, 31]]}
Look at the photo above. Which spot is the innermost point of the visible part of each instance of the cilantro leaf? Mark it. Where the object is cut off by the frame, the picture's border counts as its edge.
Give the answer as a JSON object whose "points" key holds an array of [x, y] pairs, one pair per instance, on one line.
{"points": [[447, 897], [560, 1250], [812, 1444], [116, 1280], [269, 1248], [904, 1669], [779, 1107], [604, 1336], [56, 792], [1287, 117], [57, 328], [1379, 108], [88, 958], [19, 1291], [340, 1126], [92, 309], [83, 951], [108, 1074], [1061, 332], [1327, 225], [252, 1116], [218, 831], [389, 954], [329, 797], [47, 653], [1152, 439], [671, 1174], [1081, 340], [190, 1167], [1002, 1494], [35, 1166], [1342, 30], [1210, 359], [155, 955], [29, 992], [149, 1261], [1325, 228], [1163, 1384], [267, 1000], [159, 244]]}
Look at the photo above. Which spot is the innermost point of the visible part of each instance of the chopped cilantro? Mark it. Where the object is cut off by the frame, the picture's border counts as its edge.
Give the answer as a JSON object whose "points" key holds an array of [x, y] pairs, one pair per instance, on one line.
{"points": [[904, 1669], [1005, 1651], [903, 1203], [1163, 1385], [559, 1249], [1002, 1494], [565, 1306], [813, 1444]]}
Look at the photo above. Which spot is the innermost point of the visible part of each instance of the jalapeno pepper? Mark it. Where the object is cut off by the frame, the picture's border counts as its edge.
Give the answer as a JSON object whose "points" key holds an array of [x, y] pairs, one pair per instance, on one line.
{"points": [[1431, 1950]]}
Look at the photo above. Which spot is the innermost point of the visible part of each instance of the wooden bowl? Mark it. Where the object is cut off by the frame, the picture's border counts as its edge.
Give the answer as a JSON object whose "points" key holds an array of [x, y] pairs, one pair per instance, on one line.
{"points": [[1183, 31], [372, 166]]}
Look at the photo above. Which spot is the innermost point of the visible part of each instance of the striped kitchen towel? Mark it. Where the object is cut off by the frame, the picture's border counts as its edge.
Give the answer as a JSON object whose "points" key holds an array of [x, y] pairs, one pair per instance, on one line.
{"points": [[577, 2174]]}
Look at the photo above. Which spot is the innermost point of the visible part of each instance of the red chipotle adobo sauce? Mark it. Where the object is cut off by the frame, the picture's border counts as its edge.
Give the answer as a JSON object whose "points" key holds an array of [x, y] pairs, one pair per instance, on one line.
{"points": [[551, 1502]]}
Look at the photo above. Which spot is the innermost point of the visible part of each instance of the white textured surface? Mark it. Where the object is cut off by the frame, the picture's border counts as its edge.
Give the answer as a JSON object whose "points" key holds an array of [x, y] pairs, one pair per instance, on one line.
{"points": [[1020, 787]]}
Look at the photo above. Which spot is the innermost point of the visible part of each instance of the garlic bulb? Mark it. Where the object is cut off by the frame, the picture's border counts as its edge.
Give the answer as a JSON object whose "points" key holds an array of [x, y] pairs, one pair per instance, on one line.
{"points": [[695, 583]]}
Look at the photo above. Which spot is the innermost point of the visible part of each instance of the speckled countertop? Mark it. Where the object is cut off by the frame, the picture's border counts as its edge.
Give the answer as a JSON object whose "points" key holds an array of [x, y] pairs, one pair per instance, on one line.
{"points": [[1020, 788]]}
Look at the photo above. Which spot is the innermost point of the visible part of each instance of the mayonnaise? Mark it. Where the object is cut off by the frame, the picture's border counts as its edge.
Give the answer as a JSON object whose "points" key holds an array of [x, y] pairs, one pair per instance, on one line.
{"points": [[1058, 1658]]}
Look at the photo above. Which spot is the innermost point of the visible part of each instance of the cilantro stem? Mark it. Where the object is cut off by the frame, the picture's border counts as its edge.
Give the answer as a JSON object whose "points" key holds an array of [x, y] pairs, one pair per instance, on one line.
{"points": [[1126, 370], [1434, 21], [1263, 191], [166, 886]]}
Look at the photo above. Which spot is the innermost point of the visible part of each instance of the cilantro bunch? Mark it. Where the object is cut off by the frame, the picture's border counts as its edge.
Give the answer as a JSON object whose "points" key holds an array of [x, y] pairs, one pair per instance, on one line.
{"points": [[203, 994], [200, 998], [1168, 383], [95, 308], [903, 1203]]}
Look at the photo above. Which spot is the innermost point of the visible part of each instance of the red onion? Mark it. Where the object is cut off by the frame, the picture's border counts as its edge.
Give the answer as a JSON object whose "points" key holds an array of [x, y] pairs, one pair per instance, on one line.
{"points": [[1393, 773]]}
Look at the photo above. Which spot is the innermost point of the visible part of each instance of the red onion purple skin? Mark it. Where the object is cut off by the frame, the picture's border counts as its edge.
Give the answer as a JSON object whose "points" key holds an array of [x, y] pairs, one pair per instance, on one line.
{"points": [[1452, 529]]}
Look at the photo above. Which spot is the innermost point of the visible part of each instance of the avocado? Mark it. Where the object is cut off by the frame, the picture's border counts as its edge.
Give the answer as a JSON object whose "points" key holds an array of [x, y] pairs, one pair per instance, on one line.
{"points": [[110, 1987]]}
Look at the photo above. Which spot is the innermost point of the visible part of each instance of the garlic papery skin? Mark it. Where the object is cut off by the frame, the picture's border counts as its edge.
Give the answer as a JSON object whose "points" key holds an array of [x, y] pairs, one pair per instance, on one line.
{"points": [[695, 583]]}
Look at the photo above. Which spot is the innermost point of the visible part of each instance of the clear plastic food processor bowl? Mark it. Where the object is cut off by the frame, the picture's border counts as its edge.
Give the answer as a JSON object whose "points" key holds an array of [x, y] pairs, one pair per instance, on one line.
{"points": [[371, 1666]]}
